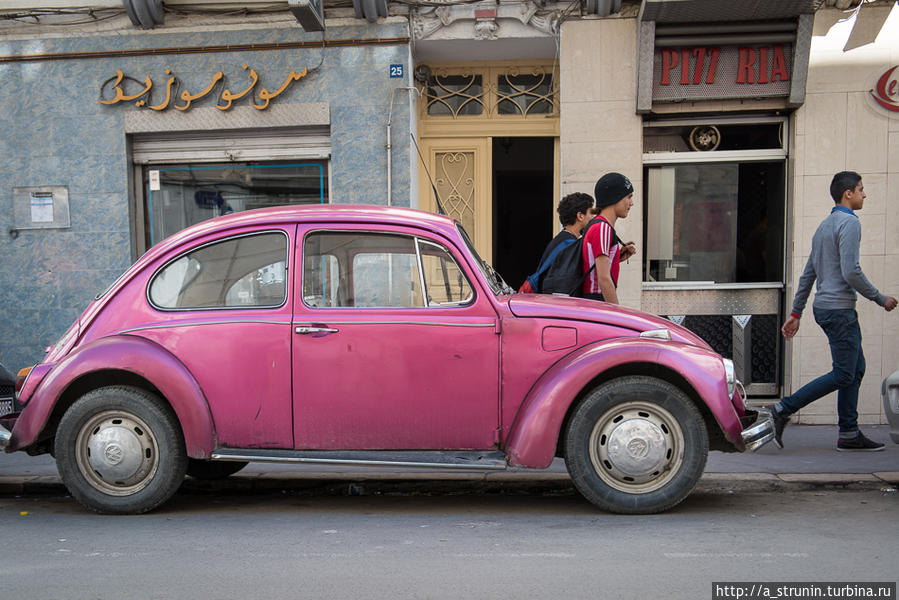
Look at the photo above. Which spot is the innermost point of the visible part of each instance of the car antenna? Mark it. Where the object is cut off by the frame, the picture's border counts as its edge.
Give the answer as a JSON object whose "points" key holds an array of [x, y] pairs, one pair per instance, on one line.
{"points": [[424, 164]]}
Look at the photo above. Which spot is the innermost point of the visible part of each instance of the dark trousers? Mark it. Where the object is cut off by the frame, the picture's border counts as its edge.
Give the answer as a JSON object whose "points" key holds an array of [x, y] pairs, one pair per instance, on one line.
{"points": [[845, 377]]}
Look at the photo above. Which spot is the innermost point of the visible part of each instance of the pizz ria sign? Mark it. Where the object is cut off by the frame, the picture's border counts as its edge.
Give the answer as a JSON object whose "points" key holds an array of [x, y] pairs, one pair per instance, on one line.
{"points": [[886, 93], [705, 72]]}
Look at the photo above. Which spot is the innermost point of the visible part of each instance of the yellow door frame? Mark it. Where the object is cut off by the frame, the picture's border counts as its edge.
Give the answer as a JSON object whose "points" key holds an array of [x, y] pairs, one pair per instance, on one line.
{"points": [[457, 145]]}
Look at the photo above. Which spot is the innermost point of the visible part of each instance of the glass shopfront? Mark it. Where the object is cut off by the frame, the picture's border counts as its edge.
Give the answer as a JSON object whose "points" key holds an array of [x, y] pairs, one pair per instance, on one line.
{"points": [[715, 206], [179, 196]]}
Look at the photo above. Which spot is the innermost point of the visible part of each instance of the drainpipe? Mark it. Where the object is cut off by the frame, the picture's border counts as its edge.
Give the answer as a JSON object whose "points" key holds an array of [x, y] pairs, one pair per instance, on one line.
{"points": [[389, 145]]}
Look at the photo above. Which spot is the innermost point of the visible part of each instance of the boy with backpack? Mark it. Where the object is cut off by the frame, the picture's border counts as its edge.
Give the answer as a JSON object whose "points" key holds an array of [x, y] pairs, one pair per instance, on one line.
{"points": [[602, 250], [575, 211]]}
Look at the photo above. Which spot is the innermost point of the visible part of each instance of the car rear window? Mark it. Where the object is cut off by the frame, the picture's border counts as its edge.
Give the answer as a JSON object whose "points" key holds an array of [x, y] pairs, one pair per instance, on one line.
{"points": [[240, 272]]}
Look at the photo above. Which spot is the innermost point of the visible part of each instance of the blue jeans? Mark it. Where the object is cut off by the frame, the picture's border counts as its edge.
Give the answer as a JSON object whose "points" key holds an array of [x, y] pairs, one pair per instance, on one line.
{"points": [[845, 377]]}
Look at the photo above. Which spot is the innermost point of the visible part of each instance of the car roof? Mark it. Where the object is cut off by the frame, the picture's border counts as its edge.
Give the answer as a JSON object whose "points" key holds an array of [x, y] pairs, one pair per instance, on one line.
{"points": [[311, 213]]}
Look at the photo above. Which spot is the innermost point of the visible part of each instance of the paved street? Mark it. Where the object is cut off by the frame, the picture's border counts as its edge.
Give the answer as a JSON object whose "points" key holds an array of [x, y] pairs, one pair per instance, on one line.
{"points": [[290, 545], [805, 513]]}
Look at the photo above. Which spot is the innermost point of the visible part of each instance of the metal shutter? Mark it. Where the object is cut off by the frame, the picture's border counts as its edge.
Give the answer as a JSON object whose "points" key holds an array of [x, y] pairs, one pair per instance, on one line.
{"points": [[222, 146]]}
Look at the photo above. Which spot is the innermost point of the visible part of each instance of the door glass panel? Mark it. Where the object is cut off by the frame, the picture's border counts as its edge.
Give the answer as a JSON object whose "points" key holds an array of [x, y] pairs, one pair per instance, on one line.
{"points": [[445, 282], [343, 269], [715, 223], [522, 94], [455, 95]]}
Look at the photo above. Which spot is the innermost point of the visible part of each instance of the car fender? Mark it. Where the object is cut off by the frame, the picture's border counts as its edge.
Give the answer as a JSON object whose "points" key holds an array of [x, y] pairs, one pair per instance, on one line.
{"points": [[534, 435], [133, 354]]}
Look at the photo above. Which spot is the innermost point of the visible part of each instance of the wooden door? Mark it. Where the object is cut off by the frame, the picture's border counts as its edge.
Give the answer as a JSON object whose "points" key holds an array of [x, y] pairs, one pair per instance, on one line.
{"points": [[461, 171]]}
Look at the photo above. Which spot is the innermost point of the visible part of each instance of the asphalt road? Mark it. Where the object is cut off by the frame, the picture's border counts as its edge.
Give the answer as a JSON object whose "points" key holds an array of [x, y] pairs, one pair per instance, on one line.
{"points": [[551, 545]]}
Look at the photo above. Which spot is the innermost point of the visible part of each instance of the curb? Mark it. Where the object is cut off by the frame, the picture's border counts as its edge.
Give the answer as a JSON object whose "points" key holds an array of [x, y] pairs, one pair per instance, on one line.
{"points": [[429, 483]]}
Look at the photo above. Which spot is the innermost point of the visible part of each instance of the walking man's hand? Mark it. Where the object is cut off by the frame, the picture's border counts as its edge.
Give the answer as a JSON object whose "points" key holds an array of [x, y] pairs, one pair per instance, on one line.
{"points": [[790, 327], [891, 303]]}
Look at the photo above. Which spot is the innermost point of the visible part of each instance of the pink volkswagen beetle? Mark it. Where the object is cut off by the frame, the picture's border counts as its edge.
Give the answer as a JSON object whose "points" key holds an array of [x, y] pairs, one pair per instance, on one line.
{"points": [[366, 335]]}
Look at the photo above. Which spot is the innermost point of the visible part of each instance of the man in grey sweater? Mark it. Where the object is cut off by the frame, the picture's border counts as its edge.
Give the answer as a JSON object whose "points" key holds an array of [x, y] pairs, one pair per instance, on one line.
{"points": [[834, 264]]}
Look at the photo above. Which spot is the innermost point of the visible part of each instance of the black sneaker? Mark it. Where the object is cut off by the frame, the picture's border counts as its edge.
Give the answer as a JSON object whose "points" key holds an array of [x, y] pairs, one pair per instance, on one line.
{"points": [[859, 443], [779, 423]]}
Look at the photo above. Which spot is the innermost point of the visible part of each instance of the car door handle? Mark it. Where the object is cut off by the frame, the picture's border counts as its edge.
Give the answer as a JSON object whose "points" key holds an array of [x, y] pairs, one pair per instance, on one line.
{"points": [[303, 330]]}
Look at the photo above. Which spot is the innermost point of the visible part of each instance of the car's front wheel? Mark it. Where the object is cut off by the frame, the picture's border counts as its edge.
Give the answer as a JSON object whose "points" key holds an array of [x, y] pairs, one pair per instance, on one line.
{"points": [[636, 445], [120, 450]]}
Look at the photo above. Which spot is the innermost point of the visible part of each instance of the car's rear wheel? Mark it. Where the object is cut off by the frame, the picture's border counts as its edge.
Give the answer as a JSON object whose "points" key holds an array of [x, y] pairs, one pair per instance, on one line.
{"points": [[120, 450], [636, 445], [213, 469]]}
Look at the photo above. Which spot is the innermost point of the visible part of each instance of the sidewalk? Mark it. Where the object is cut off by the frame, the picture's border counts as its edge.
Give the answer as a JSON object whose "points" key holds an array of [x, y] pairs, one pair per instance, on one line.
{"points": [[809, 459]]}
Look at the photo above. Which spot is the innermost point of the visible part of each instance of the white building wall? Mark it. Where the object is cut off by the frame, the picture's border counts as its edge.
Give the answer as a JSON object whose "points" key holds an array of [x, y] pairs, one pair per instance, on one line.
{"points": [[600, 129]]}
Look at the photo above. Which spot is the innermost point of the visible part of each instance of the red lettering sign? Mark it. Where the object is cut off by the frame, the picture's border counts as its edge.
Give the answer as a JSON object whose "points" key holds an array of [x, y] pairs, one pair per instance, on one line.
{"points": [[705, 72], [779, 68], [752, 65], [745, 72], [713, 65], [886, 94], [670, 59], [763, 65]]}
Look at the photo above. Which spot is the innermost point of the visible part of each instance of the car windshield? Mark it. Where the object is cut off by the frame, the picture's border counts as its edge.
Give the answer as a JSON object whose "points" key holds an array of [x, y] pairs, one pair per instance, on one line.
{"points": [[493, 278]]}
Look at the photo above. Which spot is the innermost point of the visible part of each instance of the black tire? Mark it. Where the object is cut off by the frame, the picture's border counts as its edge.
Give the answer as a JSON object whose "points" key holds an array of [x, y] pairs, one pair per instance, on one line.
{"points": [[212, 469], [120, 450], [636, 445]]}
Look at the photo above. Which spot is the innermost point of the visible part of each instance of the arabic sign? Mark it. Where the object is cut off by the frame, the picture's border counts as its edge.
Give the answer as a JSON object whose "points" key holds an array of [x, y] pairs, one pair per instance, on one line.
{"points": [[887, 91], [703, 72], [126, 89]]}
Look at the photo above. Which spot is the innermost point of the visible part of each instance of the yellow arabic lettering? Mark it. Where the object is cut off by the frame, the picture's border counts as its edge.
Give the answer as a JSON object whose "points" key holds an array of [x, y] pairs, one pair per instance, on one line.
{"points": [[120, 95], [267, 95], [168, 92], [230, 97], [188, 97]]}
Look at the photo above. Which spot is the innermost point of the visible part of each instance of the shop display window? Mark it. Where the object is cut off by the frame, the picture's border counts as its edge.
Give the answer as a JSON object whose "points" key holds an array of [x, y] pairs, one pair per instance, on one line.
{"points": [[715, 223], [178, 196]]}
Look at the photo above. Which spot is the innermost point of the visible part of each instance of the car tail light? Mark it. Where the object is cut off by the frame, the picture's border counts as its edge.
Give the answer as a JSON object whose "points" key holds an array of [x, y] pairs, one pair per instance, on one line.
{"points": [[21, 378]]}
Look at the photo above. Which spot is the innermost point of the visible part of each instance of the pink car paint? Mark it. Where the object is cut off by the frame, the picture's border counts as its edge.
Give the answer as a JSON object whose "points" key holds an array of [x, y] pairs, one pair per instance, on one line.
{"points": [[501, 372]]}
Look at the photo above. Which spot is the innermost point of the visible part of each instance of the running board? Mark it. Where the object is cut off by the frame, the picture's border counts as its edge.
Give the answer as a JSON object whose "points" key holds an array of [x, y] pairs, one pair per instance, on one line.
{"points": [[426, 459]]}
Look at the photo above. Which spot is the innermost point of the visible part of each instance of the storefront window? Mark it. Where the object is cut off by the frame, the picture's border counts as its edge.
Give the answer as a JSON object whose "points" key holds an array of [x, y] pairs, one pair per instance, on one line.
{"points": [[715, 223], [179, 196]]}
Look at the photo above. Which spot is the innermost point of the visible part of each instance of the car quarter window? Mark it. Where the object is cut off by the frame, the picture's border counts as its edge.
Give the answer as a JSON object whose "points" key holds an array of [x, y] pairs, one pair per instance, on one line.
{"points": [[445, 282], [240, 272], [379, 270]]}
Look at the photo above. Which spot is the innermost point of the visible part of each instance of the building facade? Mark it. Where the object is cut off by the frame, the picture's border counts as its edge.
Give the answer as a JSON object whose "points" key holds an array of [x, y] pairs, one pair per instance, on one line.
{"points": [[729, 124]]}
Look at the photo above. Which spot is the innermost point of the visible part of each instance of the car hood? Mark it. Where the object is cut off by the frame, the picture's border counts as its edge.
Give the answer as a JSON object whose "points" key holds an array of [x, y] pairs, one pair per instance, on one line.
{"points": [[543, 306]]}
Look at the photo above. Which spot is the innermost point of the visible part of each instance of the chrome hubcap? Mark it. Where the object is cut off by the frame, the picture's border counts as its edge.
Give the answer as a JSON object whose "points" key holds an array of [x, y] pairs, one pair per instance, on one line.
{"points": [[637, 447], [117, 453]]}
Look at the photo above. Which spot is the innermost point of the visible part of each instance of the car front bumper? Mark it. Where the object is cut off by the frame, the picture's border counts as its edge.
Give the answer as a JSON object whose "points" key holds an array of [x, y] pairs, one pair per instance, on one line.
{"points": [[5, 436], [758, 429], [889, 391]]}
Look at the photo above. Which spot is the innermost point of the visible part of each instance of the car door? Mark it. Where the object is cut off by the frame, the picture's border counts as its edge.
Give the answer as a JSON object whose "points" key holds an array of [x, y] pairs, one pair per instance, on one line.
{"points": [[394, 345]]}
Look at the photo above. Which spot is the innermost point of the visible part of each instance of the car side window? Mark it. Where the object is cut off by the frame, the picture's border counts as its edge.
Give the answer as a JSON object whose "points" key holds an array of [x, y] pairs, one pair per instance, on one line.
{"points": [[445, 282], [379, 270], [240, 272], [343, 269]]}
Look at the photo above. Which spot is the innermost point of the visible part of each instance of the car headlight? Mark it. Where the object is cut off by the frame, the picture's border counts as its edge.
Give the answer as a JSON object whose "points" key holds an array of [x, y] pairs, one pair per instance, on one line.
{"points": [[731, 376]]}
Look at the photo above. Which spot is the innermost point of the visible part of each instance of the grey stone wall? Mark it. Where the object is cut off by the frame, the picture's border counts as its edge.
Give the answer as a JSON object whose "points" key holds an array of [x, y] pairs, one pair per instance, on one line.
{"points": [[55, 132]]}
